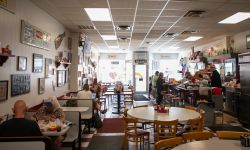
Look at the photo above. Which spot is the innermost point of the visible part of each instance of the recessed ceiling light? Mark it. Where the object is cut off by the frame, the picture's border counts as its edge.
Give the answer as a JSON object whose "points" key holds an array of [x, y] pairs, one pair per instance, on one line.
{"points": [[98, 14], [193, 38], [236, 18], [113, 47], [109, 37]]}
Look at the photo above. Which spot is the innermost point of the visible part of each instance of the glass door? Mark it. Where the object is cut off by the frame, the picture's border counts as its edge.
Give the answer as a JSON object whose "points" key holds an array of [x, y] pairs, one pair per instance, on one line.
{"points": [[140, 78]]}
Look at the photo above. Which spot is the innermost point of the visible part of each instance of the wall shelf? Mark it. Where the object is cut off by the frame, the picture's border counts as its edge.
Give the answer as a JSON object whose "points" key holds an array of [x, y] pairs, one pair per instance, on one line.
{"points": [[65, 64], [4, 58]]}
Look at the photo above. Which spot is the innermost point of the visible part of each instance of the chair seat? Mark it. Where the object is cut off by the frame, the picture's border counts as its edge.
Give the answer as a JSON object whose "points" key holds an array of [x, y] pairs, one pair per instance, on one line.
{"points": [[139, 132]]}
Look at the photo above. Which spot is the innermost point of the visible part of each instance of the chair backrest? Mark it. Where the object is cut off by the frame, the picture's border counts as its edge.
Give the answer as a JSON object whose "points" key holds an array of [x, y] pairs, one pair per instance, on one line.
{"points": [[130, 124], [166, 129], [195, 124], [86, 103], [190, 136], [168, 143], [202, 112], [18, 143], [230, 134]]}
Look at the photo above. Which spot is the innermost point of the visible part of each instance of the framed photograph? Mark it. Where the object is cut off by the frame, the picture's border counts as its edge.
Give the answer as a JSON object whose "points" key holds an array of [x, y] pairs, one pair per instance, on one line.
{"points": [[21, 63], [20, 84], [61, 80], [37, 63], [4, 90], [34, 36], [48, 68], [248, 41], [41, 85]]}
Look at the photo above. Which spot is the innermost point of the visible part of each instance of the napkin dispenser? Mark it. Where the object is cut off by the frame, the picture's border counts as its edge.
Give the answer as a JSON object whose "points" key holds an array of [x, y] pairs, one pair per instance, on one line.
{"points": [[245, 140]]}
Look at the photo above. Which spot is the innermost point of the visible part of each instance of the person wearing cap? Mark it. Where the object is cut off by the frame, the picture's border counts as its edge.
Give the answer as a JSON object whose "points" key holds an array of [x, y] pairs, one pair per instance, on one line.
{"points": [[50, 111], [215, 78]]}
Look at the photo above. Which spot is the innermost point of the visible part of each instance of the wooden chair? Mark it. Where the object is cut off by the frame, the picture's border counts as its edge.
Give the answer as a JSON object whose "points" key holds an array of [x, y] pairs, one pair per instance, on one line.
{"points": [[230, 134], [166, 129], [190, 136], [202, 113], [145, 123], [168, 143], [195, 124], [133, 134]]}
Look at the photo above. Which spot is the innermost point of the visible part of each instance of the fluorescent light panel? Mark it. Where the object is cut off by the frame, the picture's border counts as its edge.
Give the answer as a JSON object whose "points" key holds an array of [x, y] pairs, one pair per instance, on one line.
{"points": [[98, 14], [109, 37], [193, 38], [236, 18]]}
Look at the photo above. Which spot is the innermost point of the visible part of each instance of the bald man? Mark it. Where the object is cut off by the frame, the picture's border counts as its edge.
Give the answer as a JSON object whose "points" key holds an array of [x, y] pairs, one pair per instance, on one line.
{"points": [[19, 126]]}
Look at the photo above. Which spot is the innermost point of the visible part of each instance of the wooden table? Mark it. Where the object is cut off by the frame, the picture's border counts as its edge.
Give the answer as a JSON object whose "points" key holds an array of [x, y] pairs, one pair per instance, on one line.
{"points": [[78, 109], [213, 144], [149, 114]]}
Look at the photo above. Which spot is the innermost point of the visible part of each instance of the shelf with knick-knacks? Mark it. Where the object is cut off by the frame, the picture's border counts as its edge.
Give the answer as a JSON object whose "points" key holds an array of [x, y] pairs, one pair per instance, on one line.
{"points": [[5, 53], [64, 61]]}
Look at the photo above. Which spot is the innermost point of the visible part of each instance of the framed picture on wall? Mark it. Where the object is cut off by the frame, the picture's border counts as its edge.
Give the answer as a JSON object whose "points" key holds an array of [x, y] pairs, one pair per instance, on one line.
{"points": [[41, 85], [3, 90], [248, 41], [21, 63], [37, 63], [20, 84], [48, 68], [61, 80]]}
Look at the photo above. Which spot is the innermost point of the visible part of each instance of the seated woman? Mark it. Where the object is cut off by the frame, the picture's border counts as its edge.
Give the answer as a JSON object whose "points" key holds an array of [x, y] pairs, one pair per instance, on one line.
{"points": [[87, 94], [50, 111]]}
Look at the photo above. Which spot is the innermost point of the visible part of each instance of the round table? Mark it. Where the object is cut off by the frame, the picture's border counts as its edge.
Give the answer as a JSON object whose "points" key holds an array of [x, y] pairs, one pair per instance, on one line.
{"points": [[212, 145], [149, 114]]}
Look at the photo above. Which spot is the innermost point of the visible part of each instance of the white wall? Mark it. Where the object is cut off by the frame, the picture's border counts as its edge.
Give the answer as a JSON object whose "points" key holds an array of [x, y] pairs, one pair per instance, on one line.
{"points": [[10, 25], [240, 42]]}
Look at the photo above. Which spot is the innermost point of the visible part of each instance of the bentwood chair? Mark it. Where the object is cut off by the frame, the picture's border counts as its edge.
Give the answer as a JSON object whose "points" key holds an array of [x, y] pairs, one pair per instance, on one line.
{"points": [[133, 134], [168, 143], [190, 136], [165, 129], [230, 134]]}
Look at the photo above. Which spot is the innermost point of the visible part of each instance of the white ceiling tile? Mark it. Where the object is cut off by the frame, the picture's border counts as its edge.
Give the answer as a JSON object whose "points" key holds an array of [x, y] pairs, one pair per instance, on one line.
{"points": [[122, 3]]}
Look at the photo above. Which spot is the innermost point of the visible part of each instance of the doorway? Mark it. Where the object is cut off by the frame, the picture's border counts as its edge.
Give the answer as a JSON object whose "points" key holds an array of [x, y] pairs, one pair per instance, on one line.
{"points": [[140, 78]]}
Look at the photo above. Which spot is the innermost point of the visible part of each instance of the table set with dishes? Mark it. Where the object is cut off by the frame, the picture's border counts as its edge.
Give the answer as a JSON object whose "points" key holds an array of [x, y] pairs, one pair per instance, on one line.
{"points": [[53, 128]]}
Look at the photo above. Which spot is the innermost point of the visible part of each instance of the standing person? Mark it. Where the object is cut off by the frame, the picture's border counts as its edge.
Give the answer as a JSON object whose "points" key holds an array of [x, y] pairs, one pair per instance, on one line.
{"points": [[154, 80], [150, 87], [215, 78], [19, 126], [159, 88]]}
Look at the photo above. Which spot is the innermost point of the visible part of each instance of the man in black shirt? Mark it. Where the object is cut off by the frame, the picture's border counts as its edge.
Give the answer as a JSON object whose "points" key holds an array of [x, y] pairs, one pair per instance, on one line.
{"points": [[215, 78], [159, 88], [19, 126]]}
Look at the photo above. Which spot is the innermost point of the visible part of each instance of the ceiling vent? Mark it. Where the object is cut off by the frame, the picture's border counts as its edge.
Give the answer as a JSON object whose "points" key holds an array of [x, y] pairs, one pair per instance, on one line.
{"points": [[190, 32], [194, 13], [123, 39], [123, 27], [86, 27], [169, 35]]}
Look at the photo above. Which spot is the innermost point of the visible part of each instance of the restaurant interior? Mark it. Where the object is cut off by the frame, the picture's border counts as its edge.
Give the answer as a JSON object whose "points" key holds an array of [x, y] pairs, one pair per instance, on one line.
{"points": [[124, 74]]}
